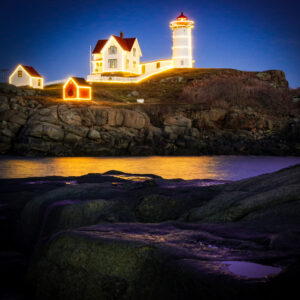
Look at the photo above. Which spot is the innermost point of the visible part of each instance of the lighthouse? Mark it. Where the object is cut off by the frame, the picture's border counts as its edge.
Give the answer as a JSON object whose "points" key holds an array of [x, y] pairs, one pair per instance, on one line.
{"points": [[182, 42], [117, 59]]}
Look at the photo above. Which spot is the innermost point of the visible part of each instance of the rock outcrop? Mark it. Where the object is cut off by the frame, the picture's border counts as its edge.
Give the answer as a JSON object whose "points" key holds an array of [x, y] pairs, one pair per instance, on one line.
{"points": [[107, 236], [36, 127], [28, 127], [202, 111], [89, 200]]}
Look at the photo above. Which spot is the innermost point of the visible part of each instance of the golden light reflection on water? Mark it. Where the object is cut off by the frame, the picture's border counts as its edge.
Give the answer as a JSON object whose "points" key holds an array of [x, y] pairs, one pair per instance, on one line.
{"points": [[167, 167], [201, 167]]}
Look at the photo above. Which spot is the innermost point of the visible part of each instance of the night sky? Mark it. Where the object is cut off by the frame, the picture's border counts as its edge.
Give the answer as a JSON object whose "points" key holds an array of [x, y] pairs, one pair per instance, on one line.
{"points": [[55, 36]]}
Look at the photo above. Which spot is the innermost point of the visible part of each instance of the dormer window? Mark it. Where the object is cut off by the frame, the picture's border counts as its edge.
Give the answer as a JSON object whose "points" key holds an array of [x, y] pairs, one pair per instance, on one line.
{"points": [[134, 51], [19, 73], [112, 50]]}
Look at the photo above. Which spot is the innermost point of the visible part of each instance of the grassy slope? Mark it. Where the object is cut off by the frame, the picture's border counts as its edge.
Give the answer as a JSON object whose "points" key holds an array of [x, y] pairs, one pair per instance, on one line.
{"points": [[153, 90]]}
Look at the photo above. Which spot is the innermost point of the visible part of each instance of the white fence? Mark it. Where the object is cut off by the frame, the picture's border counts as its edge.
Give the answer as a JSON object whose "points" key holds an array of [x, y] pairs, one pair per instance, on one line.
{"points": [[55, 82], [99, 78]]}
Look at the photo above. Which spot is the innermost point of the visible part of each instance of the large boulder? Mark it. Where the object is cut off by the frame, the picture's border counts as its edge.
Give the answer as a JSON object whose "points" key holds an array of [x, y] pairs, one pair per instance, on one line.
{"points": [[160, 261], [158, 208], [69, 115], [177, 121], [273, 197], [48, 115], [57, 209], [45, 130], [115, 117], [134, 119], [101, 116], [94, 134], [53, 132]]}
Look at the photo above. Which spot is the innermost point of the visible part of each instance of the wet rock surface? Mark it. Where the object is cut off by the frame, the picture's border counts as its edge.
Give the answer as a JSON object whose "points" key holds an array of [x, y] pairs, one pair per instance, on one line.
{"points": [[133, 236], [165, 261]]}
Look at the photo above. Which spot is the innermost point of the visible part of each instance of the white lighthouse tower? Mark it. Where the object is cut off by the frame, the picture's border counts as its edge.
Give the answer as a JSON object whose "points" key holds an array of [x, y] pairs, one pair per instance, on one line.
{"points": [[182, 42]]}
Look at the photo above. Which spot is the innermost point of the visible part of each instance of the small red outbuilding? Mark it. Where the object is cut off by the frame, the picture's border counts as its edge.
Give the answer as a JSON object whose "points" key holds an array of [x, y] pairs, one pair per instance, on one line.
{"points": [[77, 88]]}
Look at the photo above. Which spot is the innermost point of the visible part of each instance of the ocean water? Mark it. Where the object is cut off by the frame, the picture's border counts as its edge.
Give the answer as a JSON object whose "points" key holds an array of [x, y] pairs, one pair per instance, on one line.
{"points": [[189, 167]]}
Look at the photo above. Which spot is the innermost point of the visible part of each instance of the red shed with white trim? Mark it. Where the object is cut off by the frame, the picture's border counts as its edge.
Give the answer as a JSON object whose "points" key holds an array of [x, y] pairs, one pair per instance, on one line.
{"points": [[77, 88]]}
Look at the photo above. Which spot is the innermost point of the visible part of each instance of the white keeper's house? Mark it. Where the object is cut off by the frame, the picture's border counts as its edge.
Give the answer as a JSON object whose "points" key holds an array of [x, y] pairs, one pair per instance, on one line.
{"points": [[117, 59], [26, 76]]}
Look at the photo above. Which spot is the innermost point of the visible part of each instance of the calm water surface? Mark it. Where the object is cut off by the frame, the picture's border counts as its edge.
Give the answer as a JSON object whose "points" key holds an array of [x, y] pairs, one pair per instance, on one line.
{"points": [[200, 167]]}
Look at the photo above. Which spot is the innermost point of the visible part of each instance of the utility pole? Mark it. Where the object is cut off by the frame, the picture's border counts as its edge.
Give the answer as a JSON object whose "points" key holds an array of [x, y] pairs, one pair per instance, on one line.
{"points": [[4, 74], [90, 60]]}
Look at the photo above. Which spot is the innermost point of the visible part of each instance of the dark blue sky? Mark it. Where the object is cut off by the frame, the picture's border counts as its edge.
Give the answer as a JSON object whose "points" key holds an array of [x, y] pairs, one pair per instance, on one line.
{"points": [[55, 36]]}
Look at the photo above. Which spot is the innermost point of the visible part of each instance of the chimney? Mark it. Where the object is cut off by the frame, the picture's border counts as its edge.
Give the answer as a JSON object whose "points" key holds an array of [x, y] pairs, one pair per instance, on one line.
{"points": [[122, 35]]}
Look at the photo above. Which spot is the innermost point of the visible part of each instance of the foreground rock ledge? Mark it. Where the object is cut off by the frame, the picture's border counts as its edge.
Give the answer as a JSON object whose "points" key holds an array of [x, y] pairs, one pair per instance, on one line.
{"points": [[132, 236], [161, 261]]}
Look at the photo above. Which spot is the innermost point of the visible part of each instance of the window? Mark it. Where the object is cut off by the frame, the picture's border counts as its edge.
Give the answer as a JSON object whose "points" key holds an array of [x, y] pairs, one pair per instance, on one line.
{"points": [[127, 64], [134, 51], [39, 82], [134, 64], [19, 73], [112, 63], [182, 62], [143, 69], [112, 50], [157, 65]]}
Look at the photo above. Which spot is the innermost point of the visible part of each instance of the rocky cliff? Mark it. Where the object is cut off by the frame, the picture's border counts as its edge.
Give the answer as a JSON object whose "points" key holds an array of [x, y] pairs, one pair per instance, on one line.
{"points": [[264, 122]]}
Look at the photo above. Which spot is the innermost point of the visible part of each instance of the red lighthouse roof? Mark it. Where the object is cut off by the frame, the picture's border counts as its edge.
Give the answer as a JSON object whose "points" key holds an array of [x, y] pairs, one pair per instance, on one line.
{"points": [[182, 16]]}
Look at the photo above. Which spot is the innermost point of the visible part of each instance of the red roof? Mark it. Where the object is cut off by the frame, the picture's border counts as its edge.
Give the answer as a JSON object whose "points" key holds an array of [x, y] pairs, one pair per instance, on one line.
{"points": [[100, 44], [80, 81], [31, 71], [182, 16], [126, 44]]}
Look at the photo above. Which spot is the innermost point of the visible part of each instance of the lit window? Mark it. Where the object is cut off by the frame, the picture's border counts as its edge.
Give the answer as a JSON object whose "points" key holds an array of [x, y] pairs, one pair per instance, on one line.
{"points": [[157, 65], [112, 63], [127, 63], [112, 50], [19, 73], [134, 51], [39, 82], [134, 64]]}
